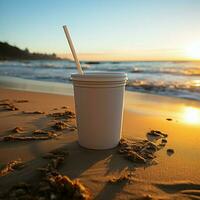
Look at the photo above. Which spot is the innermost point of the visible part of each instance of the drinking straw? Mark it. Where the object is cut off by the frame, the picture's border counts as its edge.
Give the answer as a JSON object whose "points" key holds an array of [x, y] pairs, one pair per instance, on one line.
{"points": [[72, 49]]}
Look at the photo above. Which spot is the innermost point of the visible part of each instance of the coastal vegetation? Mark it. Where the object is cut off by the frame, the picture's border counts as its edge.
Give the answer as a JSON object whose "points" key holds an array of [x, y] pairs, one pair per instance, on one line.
{"points": [[9, 52]]}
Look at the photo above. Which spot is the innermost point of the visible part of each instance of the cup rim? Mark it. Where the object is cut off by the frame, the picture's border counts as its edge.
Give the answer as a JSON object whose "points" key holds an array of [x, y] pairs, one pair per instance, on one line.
{"points": [[100, 76]]}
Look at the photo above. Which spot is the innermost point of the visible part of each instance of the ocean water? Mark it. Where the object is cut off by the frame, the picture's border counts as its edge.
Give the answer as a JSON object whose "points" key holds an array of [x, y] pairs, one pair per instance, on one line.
{"points": [[178, 79]]}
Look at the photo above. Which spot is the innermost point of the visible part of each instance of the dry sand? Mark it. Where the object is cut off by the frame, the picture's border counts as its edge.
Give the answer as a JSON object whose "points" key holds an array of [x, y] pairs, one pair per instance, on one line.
{"points": [[106, 173]]}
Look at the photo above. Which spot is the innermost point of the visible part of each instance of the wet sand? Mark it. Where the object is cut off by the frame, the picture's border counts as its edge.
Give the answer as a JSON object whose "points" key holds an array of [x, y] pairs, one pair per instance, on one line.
{"points": [[107, 174]]}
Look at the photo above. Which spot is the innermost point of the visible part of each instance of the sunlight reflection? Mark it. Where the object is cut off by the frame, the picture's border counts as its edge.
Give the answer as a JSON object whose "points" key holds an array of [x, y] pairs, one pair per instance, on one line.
{"points": [[196, 83], [191, 115]]}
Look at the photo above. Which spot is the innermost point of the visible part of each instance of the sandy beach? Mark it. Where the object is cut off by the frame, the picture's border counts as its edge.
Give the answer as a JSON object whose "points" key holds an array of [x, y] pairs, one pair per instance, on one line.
{"points": [[100, 100], [106, 174]]}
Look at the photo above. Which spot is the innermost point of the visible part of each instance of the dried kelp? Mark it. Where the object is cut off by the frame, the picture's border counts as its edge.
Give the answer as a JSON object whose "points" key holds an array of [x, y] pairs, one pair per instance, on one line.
{"points": [[61, 187], [37, 135], [18, 130], [170, 151], [52, 184], [138, 151], [169, 119], [8, 106], [64, 107], [62, 115], [60, 125], [119, 179], [142, 151], [21, 101], [11, 166], [156, 134], [50, 134], [55, 157], [24, 138], [33, 112], [54, 187]]}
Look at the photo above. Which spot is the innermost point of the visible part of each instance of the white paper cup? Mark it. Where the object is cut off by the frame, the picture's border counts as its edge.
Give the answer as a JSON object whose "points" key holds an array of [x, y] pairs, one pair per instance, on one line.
{"points": [[99, 108]]}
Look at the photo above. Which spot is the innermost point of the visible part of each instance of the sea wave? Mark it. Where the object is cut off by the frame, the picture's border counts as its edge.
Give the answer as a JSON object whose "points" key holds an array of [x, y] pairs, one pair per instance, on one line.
{"points": [[189, 90], [180, 79], [185, 72], [42, 64]]}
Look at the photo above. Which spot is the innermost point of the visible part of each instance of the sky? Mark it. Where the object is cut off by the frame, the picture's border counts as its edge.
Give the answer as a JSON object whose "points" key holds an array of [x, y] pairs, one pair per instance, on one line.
{"points": [[105, 29]]}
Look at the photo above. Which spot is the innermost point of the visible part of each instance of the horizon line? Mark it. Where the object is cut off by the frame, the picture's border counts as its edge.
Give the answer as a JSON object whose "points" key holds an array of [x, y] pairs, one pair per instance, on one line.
{"points": [[127, 59]]}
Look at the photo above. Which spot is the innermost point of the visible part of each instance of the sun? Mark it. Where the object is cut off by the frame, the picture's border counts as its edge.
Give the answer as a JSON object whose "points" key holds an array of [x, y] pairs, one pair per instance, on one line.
{"points": [[193, 52]]}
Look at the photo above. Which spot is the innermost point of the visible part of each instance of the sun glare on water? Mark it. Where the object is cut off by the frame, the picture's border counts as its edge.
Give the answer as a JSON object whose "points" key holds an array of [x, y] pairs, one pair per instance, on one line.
{"points": [[193, 52], [191, 115]]}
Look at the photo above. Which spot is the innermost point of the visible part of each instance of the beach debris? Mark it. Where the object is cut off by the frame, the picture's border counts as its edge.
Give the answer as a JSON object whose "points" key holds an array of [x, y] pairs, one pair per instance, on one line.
{"points": [[142, 150], [11, 166], [64, 107], [8, 106], [60, 125], [12, 108], [21, 101], [18, 130], [56, 157], [50, 134], [33, 112], [124, 176], [38, 135], [51, 185], [62, 187], [23, 138], [169, 119], [154, 134], [62, 115], [119, 179], [138, 151], [72, 128], [55, 187], [56, 162], [161, 145], [133, 156], [164, 140], [170, 152]]}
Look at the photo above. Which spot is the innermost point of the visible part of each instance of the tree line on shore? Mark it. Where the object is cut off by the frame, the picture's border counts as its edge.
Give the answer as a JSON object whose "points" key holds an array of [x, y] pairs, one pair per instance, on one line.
{"points": [[9, 52]]}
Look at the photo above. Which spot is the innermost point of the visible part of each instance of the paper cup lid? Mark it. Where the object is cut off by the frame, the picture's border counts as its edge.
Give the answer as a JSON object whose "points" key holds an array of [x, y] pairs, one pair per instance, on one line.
{"points": [[95, 76]]}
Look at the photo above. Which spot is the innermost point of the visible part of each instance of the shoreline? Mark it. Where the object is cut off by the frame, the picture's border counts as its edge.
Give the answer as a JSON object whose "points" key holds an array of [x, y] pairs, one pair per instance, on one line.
{"points": [[135, 102], [50, 87]]}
